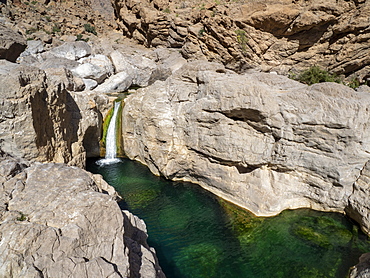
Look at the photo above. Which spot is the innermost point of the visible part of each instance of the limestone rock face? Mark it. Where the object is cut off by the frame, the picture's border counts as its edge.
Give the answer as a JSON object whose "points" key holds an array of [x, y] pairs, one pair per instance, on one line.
{"points": [[262, 141], [279, 36], [54, 221], [41, 120], [12, 44]]}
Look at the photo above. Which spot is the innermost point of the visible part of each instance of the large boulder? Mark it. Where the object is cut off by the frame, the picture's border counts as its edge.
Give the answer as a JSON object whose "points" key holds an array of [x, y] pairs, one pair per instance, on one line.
{"points": [[262, 141], [12, 44], [56, 222]]}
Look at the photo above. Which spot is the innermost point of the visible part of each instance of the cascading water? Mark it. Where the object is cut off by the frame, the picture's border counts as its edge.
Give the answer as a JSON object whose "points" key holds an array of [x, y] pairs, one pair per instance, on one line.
{"points": [[111, 138]]}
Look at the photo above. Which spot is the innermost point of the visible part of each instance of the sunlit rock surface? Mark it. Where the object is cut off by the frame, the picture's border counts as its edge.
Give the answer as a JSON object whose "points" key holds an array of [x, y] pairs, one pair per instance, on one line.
{"points": [[260, 140], [55, 221]]}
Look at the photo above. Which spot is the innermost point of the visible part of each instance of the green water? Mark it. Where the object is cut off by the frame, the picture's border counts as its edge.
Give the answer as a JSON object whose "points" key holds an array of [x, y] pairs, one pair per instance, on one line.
{"points": [[196, 234]]}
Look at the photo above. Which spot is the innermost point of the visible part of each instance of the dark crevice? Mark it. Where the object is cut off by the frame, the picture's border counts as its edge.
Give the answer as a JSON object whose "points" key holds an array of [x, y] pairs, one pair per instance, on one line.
{"points": [[39, 271], [244, 114], [241, 168], [276, 137], [114, 267], [245, 170]]}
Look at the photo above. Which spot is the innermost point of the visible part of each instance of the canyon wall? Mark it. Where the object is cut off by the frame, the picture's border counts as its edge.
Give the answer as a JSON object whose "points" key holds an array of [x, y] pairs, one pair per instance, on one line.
{"points": [[284, 36], [259, 140]]}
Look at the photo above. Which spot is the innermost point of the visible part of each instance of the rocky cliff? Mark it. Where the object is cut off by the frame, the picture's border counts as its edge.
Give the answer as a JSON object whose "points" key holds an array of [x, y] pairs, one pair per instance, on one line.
{"points": [[286, 36], [41, 120], [282, 36], [260, 140], [56, 221]]}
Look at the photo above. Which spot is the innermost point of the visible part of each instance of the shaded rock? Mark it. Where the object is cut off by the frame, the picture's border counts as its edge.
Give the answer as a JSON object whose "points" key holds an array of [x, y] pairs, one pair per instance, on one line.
{"points": [[42, 120], [12, 44], [56, 76], [262, 141], [66, 226], [362, 269]]}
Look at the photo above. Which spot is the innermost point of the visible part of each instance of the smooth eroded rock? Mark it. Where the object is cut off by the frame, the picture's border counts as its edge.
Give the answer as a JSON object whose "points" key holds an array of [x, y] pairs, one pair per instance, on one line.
{"points": [[56, 221], [262, 141]]}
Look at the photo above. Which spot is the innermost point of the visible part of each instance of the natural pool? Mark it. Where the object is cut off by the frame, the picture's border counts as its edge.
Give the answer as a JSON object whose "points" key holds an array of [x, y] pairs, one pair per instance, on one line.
{"points": [[196, 234]]}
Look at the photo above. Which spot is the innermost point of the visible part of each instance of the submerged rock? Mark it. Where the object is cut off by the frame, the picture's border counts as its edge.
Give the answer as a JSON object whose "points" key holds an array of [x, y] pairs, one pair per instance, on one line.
{"points": [[55, 220], [262, 141]]}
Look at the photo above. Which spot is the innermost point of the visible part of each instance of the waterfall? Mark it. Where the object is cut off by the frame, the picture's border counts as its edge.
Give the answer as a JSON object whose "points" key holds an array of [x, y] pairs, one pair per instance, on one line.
{"points": [[111, 138]]}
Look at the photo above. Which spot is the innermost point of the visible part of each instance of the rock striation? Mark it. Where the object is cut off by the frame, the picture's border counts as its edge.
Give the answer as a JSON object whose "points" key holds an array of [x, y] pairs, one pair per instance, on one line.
{"points": [[55, 221], [260, 140]]}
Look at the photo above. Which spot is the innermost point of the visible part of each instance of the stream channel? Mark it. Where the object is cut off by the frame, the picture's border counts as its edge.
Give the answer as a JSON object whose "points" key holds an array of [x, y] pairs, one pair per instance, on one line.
{"points": [[197, 234]]}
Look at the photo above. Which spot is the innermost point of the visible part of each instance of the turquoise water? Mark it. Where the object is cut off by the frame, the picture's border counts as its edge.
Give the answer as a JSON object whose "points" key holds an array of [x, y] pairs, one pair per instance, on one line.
{"points": [[196, 234]]}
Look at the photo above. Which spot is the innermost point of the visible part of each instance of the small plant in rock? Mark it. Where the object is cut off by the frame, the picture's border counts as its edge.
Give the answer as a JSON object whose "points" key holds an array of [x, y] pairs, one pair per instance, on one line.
{"points": [[201, 32], [316, 75], [90, 29], [242, 39], [31, 31], [22, 217], [167, 10], [56, 29], [354, 83], [79, 38], [34, 2]]}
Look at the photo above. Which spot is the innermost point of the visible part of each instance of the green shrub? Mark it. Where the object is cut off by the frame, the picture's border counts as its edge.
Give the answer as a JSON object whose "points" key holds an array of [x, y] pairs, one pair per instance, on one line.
{"points": [[79, 38], [354, 83], [242, 39], [201, 32], [316, 75], [56, 28], [90, 29], [167, 10], [22, 217]]}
